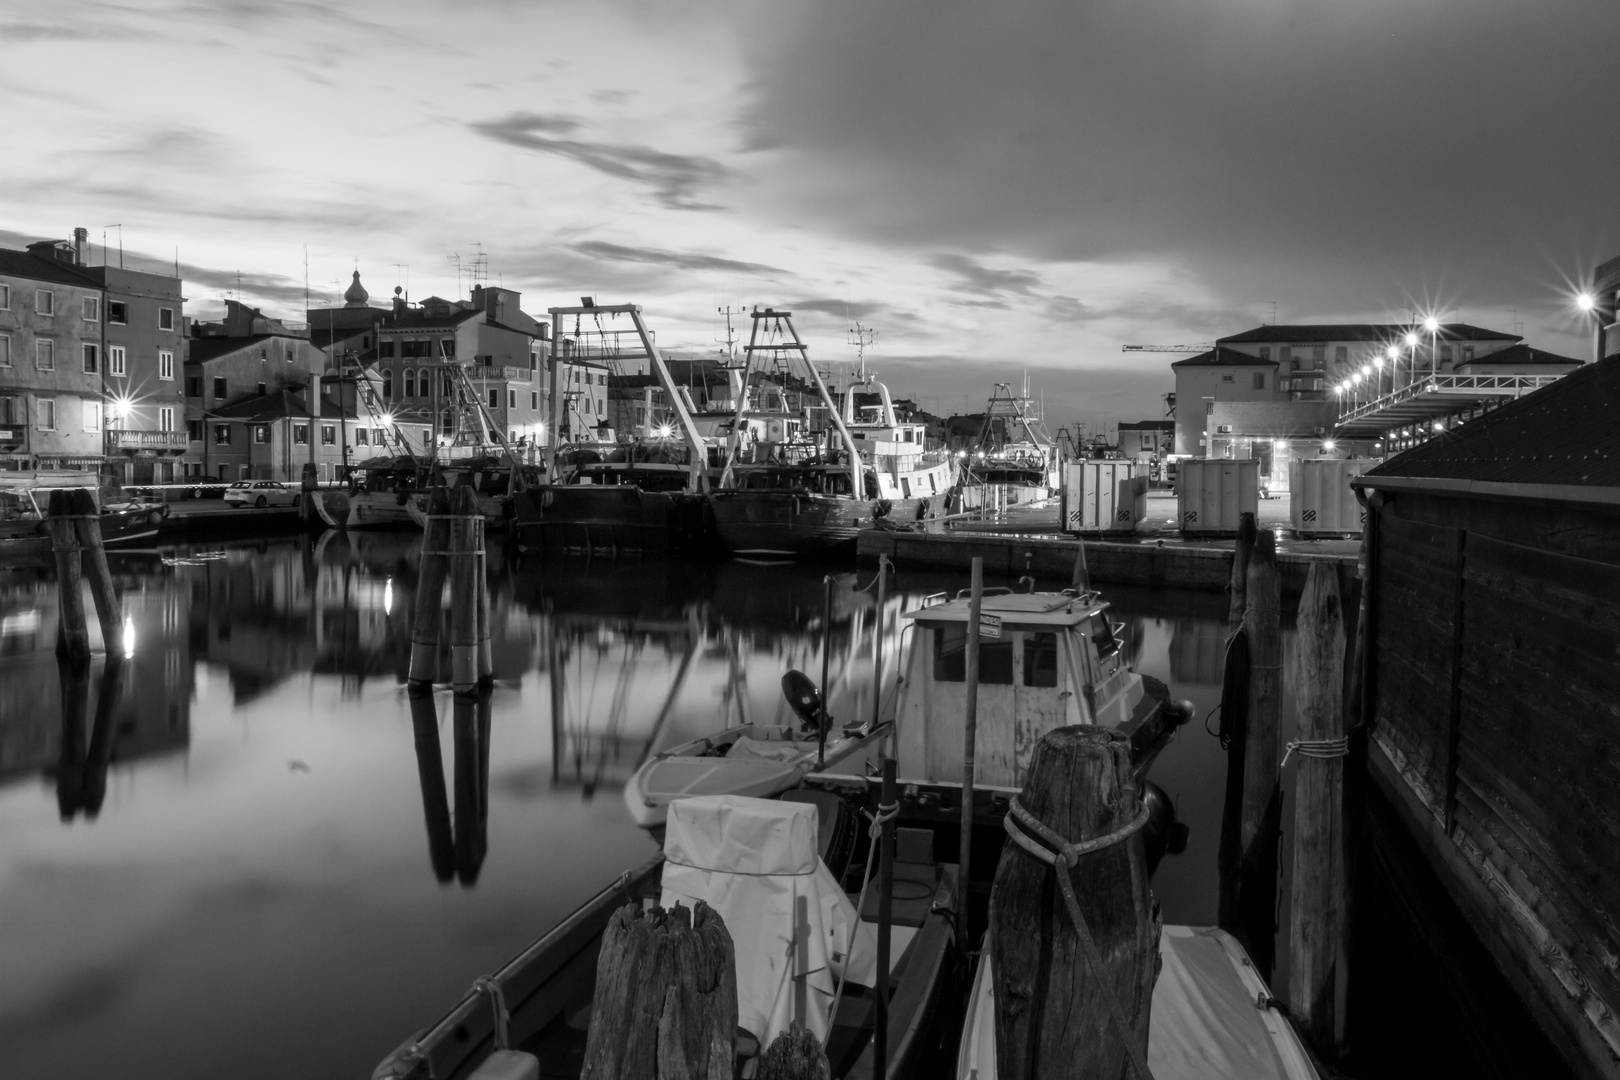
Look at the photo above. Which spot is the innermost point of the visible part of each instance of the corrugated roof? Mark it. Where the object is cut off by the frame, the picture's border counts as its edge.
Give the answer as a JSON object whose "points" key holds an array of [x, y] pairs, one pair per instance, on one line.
{"points": [[1382, 332], [25, 264], [1565, 434], [1219, 357]]}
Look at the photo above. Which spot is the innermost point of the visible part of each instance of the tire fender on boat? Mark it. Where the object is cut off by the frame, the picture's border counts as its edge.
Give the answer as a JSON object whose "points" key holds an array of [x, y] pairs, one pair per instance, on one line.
{"points": [[155, 517]]}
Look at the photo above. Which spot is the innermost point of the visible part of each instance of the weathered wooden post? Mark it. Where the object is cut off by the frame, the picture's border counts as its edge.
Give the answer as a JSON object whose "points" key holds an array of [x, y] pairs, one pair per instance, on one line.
{"points": [[1262, 798], [466, 525], [1317, 750], [1242, 551], [970, 734], [72, 636], [424, 666], [430, 775], [81, 509], [486, 645], [666, 997], [796, 1054], [1072, 924]]}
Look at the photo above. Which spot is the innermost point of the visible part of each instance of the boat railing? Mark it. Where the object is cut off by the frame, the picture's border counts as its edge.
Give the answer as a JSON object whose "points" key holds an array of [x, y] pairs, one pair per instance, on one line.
{"points": [[936, 598]]}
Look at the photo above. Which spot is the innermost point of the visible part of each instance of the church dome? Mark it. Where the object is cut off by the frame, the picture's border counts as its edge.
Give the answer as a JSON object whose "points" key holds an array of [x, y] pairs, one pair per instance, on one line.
{"points": [[355, 295]]}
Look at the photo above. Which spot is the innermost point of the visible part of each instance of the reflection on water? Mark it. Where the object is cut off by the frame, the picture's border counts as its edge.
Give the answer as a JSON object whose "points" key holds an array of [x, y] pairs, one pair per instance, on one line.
{"points": [[233, 853]]}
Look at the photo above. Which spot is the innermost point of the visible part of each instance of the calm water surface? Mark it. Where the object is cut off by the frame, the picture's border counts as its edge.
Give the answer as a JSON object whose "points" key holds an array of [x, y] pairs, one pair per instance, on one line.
{"points": [[257, 860]]}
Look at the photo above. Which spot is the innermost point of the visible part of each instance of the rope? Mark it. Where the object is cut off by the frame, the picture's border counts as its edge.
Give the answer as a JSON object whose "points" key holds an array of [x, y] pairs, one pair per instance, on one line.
{"points": [[886, 812], [1064, 859], [1322, 749]]}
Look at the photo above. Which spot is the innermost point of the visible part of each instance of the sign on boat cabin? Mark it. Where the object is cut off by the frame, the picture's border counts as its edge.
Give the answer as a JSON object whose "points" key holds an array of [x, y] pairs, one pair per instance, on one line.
{"points": [[1056, 661]]}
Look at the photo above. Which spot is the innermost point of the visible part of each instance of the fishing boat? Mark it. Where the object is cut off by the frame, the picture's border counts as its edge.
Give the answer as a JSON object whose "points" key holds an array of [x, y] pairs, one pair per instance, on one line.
{"points": [[1212, 1016], [796, 888], [25, 497], [1013, 462], [814, 498], [379, 495], [751, 759], [644, 495]]}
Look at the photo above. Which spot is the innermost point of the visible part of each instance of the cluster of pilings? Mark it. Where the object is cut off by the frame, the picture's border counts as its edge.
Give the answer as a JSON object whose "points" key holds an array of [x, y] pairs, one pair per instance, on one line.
{"points": [[453, 556]]}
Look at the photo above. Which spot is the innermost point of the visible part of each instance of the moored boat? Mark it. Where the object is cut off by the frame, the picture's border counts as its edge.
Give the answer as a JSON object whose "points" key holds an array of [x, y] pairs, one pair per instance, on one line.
{"points": [[1013, 462], [25, 497], [379, 495]]}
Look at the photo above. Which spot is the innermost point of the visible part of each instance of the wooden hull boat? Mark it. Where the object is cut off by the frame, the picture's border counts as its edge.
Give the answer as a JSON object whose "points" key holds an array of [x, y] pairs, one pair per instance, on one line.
{"points": [[751, 759], [548, 988], [787, 525], [27, 538], [614, 518], [1212, 1016], [365, 509], [497, 511]]}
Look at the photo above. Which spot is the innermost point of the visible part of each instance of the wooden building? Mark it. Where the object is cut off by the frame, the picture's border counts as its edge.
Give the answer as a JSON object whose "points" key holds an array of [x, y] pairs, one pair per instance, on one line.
{"points": [[1493, 669]]}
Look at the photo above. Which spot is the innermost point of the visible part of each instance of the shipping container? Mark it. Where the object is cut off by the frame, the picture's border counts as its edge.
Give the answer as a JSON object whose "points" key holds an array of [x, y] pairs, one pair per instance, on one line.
{"points": [[1103, 496], [1213, 494], [1322, 502]]}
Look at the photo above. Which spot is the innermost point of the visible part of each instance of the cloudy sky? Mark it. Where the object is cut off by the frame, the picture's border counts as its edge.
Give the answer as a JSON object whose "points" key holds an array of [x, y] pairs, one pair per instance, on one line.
{"points": [[995, 187]]}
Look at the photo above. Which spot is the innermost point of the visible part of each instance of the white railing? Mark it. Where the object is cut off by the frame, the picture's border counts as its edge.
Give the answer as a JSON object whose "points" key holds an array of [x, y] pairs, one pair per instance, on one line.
{"points": [[122, 438], [1447, 385]]}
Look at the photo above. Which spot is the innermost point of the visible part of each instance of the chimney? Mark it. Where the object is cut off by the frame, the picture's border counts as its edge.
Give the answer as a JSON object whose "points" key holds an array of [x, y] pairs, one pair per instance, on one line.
{"points": [[81, 237]]}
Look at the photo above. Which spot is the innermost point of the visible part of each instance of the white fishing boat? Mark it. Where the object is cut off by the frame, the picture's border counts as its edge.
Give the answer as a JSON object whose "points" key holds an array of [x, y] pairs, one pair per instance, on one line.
{"points": [[1013, 462]]}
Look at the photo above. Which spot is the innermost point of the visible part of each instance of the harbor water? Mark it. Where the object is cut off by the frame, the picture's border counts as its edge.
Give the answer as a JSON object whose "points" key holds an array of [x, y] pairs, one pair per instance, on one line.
{"points": [[261, 858]]}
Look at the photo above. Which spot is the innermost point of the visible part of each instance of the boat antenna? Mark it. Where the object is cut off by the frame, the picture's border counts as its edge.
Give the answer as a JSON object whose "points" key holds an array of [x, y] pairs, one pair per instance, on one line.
{"points": [[861, 337]]}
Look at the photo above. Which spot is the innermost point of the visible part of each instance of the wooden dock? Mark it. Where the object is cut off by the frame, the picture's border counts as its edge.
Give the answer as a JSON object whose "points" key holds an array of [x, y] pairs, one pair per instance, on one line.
{"points": [[1148, 560]]}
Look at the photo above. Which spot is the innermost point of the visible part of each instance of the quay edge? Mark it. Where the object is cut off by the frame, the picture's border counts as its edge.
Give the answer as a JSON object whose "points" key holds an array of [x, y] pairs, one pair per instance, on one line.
{"points": [[1145, 562]]}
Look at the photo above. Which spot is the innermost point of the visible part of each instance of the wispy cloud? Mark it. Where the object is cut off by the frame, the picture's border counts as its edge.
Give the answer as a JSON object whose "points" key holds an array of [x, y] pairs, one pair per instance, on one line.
{"points": [[679, 260], [974, 276], [675, 179]]}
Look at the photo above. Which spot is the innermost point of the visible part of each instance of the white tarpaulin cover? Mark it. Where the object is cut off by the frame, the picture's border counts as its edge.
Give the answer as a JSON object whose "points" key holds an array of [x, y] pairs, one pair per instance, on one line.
{"points": [[1206, 1022], [754, 861]]}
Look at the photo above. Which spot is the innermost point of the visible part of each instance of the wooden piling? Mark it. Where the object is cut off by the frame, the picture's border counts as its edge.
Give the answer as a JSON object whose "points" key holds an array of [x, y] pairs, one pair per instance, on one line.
{"points": [[666, 996], [1073, 1002], [796, 1054], [1262, 798], [465, 525], [1317, 895], [86, 518], [430, 577], [72, 636], [486, 645], [1242, 552]]}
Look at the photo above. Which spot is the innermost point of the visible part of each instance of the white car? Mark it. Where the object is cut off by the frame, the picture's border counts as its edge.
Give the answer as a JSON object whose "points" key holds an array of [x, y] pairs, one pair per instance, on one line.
{"points": [[261, 493]]}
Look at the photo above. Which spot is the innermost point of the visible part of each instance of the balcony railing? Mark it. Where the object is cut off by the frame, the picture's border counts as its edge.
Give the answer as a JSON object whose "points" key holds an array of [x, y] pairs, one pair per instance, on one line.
{"points": [[517, 374], [124, 439], [1444, 386]]}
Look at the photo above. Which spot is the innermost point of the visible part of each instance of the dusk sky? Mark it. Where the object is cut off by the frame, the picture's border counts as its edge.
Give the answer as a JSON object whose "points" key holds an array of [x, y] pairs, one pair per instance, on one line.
{"points": [[993, 187]]}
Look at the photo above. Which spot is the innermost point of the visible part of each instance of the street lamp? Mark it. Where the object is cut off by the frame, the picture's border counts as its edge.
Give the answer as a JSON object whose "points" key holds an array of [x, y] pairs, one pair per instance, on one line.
{"points": [[1586, 301]]}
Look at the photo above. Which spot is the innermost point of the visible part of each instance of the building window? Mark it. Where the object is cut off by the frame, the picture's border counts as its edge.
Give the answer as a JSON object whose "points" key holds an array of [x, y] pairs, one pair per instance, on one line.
{"points": [[117, 312], [1228, 378], [165, 418], [91, 305], [1259, 380], [410, 383], [5, 350], [45, 411], [115, 360], [301, 434], [264, 388], [165, 318], [165, 364], [385, 350], [5, 297], [219, 388], [388, 386], [362, 436], [92, 358], [194, 431], [92, 416], [1319, 356], [447, 346], [534, 399], [261, 433], [511, 399], [494, 398], [1341, 354], [45, 354], [44, 302], [222, 434], [328, 435], [1468, 354]]}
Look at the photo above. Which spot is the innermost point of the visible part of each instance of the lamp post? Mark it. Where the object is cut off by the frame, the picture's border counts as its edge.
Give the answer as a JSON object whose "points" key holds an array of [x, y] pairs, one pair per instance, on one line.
{"points": [[1587, 302]]}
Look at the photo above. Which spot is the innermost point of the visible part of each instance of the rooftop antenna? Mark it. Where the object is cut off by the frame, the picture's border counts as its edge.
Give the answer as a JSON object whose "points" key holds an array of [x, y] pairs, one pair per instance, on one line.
{"points": [[1273, 313], [860, 337], [120, 229]]}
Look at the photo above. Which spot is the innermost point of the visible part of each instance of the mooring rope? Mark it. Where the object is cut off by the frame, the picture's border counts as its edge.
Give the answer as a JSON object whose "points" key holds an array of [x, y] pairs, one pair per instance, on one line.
{"points": [[1063, 860], [886, 812], [1324, 749]]}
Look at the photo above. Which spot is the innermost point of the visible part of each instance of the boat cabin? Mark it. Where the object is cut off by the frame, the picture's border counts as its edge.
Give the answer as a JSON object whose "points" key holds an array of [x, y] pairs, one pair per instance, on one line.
{"points": [[1046, 660]]}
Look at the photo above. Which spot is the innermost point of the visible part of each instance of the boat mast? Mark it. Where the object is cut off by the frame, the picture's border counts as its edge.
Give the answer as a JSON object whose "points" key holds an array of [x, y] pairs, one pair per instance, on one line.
{"points": [[785, 318]]}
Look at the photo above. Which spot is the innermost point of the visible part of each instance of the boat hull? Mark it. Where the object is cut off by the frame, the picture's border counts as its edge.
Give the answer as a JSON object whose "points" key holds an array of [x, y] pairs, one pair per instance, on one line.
{"points": [[782, 524], [365, 509], [29, 539], [497, 515], [615, 518]]}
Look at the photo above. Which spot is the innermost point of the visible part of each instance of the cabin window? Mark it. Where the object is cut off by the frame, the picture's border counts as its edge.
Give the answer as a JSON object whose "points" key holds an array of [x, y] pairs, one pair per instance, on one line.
{"points": [[1040, 659], [950, 657], [1102, 636]]}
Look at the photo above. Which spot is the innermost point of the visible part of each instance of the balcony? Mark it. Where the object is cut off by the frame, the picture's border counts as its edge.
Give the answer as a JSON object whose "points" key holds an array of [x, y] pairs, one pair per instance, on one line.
{"points": [[517, 374], [123, 439]]}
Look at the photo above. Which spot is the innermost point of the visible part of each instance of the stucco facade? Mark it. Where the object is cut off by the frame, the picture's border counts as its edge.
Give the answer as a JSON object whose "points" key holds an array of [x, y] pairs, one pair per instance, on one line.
{"points": [[51, 358]]}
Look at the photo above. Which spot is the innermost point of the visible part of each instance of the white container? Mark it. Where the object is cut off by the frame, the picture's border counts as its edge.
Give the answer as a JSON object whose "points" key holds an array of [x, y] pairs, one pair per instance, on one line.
{"points": [[1321, 499], [1103, 496], [1213, 494]]}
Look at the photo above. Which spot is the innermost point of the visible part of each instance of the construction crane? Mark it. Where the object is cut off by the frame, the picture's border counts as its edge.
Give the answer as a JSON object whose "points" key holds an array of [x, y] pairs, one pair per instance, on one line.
{"points": [[1205, 347]]}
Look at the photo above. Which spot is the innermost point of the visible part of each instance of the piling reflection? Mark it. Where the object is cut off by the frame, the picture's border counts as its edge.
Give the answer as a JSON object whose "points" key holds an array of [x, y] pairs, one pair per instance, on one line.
{"points": [[456, 845], [81, 771]]}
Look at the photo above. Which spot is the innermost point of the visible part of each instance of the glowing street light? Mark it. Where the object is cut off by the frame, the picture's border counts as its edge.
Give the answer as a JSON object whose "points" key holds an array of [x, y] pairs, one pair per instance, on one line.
{"points": [[1411, 340], [1431, 324], [1586, 301]]}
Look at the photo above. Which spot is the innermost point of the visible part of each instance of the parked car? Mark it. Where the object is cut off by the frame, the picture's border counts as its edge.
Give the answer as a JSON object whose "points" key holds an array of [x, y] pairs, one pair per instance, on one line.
{"points": [[205, 487], [261, 493]]}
